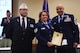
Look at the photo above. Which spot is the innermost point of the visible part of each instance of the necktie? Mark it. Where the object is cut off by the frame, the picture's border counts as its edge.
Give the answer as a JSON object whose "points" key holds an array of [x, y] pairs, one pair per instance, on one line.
{"points": [[23, 24], [61, 20], [47, 25]]}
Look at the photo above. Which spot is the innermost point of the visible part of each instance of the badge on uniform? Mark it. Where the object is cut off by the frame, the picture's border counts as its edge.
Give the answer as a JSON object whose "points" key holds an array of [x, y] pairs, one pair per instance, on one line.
{"points": [[68, 19], [17, 20], [43, 28], [28, 19], [35, 30], [54, 23], [31, 25]]}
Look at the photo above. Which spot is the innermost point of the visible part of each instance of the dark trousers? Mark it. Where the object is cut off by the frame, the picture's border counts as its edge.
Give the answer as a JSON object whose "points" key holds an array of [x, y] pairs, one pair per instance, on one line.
{"points": [[20, 51], [66, 49], [42, 49]]}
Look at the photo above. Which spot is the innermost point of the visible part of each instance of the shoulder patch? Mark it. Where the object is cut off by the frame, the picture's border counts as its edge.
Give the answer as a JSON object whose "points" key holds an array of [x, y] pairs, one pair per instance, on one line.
{"points": [[35, 30]]}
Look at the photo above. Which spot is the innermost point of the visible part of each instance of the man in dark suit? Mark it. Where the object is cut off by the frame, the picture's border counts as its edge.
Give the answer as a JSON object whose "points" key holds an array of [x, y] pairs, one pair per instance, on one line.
{"points": [[21, 31], [65, 23], [5, 22]]}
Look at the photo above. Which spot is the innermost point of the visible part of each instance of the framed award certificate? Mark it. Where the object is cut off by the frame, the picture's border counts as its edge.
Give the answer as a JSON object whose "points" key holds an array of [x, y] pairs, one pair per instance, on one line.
{"points": [[57, 38]]}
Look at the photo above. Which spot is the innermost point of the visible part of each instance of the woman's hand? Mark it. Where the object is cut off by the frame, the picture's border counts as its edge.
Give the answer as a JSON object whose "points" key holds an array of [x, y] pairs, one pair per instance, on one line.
{"points": [[49, 44]]}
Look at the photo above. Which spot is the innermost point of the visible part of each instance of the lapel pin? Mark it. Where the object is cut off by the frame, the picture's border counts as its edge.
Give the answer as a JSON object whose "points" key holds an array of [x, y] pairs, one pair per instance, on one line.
{"points": [[28, 19], [17, 20], [54, 22]]}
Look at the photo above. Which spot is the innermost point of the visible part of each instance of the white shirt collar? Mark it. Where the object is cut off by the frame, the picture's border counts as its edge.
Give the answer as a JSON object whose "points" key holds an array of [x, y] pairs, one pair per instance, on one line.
{"points": [[25, 19], [61, 18], [61, 15], [45, 22], [22, 17]]}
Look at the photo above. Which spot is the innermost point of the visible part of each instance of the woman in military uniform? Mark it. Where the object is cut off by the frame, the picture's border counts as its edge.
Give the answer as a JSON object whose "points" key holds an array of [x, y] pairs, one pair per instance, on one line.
{"points": [[44, 32]]}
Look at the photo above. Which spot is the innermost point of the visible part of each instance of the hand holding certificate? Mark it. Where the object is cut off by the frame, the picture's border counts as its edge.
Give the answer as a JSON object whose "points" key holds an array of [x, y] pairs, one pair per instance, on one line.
{"points": [[57, 38]]}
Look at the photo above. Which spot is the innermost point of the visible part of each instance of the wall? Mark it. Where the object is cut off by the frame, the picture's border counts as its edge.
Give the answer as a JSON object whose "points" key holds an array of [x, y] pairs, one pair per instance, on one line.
{"points": [[35, 6]]}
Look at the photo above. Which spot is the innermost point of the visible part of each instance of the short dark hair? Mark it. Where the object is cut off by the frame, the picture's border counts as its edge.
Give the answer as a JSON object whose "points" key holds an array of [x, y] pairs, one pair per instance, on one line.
{"points": [[8, 11]]}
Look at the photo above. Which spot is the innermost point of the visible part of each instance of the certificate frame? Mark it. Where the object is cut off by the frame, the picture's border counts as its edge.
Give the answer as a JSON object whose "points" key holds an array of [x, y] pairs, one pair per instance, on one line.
{"points": [[57, 38]]}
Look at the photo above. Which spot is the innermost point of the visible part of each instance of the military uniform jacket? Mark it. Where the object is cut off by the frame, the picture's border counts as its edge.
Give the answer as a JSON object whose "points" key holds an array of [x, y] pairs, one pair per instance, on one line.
{"points": [[21, 40], [43, 33], [68, 27]]}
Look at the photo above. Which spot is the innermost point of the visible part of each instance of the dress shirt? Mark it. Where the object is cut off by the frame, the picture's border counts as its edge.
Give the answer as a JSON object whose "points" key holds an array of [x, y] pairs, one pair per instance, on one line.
{"points": [[25, 20]]}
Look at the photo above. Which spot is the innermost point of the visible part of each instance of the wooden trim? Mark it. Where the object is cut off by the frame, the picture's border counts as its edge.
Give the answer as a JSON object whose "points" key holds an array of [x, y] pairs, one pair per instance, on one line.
{"points": [[34, 45]]}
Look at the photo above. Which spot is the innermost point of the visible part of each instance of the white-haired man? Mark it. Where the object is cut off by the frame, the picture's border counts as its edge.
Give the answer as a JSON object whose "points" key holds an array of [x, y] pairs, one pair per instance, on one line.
{"points": [[21, 31]]}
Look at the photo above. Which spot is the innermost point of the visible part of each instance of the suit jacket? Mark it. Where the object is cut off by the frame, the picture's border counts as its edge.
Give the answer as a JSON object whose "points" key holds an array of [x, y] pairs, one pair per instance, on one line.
{"points": [[5, 26], [21, 40], [68, 27]]}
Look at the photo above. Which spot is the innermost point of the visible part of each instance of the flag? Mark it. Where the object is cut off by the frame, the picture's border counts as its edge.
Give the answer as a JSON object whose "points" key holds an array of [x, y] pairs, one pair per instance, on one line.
{"points": [[46, 8], [45, 5]]}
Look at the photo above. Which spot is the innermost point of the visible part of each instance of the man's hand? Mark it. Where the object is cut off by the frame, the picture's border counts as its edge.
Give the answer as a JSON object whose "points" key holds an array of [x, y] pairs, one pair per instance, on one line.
{"points": [[5, 20], [75, 44]]}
